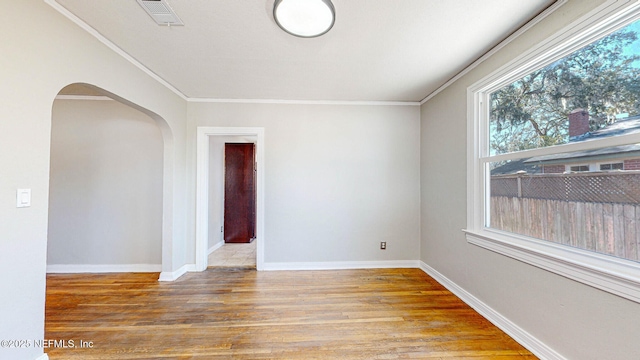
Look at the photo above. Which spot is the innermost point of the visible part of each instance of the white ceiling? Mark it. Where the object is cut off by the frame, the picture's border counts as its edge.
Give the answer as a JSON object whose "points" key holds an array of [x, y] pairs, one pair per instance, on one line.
{"points": [[378, 50]]}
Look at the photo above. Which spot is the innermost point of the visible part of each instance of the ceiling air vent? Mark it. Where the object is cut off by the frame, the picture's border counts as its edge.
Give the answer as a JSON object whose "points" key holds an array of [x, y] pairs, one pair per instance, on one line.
{"points": [[161, 12]]}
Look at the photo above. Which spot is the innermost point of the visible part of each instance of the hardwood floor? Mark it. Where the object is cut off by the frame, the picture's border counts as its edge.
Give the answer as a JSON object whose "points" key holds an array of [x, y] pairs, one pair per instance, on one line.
{"points": [[244, 314]]}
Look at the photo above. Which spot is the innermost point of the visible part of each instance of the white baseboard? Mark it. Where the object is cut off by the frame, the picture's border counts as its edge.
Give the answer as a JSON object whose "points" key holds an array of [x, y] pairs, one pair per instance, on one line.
{"points": [[340, 265], [525, 339], [42, 357], [174, 275], [215, 247], [90, 268]]}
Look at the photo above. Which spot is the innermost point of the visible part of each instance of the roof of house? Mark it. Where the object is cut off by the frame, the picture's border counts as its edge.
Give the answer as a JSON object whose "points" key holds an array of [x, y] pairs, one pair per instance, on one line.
{"points": [[513, 166], [630, 125], [577, 156]]}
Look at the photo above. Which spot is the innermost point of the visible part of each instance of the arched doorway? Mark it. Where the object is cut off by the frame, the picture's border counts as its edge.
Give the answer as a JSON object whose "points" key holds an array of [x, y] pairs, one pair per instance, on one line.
{"points": [[108, 184]]}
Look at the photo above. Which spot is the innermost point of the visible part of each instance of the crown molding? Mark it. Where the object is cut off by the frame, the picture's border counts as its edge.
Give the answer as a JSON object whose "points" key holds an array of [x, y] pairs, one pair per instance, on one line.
{"points": [[546, 12], [303, 102], [93, 32]]}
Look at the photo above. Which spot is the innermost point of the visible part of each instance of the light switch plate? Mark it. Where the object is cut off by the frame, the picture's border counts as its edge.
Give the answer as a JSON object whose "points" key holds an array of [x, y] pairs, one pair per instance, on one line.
{"points": [[23, 198]]}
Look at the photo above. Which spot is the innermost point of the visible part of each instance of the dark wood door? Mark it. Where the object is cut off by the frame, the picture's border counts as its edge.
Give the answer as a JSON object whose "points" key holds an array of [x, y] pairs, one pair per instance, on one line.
{"points": [[239, 193]]}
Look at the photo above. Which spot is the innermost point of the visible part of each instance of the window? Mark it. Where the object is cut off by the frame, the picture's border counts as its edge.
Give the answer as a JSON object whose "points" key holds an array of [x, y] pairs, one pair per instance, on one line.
{"points": [[542, 129], [612, 166], [579, 168]]}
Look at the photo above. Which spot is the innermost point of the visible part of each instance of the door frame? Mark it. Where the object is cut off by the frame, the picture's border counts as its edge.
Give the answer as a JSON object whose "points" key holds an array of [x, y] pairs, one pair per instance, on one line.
{"points": [[202, 189]]}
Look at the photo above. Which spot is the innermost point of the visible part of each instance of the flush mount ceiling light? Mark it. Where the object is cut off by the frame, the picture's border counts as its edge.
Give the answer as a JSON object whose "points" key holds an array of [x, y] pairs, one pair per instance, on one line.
{"points": [[304, 18]]}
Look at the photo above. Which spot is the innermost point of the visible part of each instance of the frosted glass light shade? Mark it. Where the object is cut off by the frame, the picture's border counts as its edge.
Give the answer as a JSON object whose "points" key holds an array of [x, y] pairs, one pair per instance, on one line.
{"points": [[304, 18]]}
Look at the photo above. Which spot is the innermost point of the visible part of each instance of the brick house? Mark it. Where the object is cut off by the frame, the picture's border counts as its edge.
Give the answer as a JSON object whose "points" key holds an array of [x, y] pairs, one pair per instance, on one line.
{"points": [[625, 157]]}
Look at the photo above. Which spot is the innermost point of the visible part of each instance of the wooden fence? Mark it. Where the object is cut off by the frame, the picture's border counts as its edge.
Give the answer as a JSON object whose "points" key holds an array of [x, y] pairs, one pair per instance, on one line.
{"points": [[616, 187], [607, 228]]}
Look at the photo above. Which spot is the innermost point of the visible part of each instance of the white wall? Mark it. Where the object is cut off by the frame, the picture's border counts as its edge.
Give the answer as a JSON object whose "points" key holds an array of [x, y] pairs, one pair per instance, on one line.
{"points": [[339, 179], [42, 53], [105, 193], [577, 321]]}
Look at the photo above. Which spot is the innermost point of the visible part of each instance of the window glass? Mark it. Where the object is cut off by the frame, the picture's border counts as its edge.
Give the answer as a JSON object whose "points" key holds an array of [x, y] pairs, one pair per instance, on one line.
{"points": [[576, 98], [555, 164], [613, 166], [579, 168], [595, 211]]}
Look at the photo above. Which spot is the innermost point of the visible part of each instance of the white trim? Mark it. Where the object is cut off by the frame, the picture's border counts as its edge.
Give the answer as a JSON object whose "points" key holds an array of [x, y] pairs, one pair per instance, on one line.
{"points": [[43, 357], [567, 168], [101, 268], [84, 97], [611, 274], [304, 102], [587, 29], [215, 247], [548, 11], [341, 265], [609, 162], [174, 275], [108, 43], [202, 189], [567, 148], [617, 276], [93, 32], [537, 347]]}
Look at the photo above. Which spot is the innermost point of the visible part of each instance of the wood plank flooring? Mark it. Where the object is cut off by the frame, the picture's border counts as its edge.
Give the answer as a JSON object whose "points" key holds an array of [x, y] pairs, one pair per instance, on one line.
{"points": [[244, 314]]}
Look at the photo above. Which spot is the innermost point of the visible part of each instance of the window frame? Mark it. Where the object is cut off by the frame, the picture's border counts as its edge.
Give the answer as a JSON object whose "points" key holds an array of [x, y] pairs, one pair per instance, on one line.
{"points": [[608, 273], [569, 168], [611, 164]]}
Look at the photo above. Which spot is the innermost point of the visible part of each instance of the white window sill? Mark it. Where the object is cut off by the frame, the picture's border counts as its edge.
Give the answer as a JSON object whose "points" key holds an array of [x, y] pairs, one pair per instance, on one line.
{"points": [[617, 276]]}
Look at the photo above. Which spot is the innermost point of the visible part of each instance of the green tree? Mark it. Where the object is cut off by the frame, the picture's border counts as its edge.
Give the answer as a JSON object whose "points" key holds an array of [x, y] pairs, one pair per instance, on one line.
{"points": [[601, 78]]}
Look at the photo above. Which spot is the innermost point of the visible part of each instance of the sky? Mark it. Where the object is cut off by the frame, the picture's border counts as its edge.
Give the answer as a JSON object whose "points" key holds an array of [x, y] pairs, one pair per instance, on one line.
{"points": [[629, 50], [635, 47]]}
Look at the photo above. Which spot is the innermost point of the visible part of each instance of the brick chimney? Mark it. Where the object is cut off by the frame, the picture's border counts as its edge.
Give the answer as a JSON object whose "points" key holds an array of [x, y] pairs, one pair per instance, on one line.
{"points": [[578, 123]]}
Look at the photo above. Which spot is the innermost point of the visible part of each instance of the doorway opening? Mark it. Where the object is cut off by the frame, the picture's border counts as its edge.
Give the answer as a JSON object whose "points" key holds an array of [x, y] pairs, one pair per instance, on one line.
{"points": [[105, 198], [210, 193], [110, 186], [232, 202], [233, 256], [239, 193]]}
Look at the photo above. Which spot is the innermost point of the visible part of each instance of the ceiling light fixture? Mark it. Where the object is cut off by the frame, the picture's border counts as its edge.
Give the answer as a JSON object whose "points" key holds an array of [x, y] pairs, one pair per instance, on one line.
{"points": [[304, 18]]}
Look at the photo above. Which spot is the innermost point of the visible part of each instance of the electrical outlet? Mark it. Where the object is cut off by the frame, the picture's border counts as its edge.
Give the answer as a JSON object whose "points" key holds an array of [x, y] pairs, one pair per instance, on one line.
{"points": [[383, 245]]}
